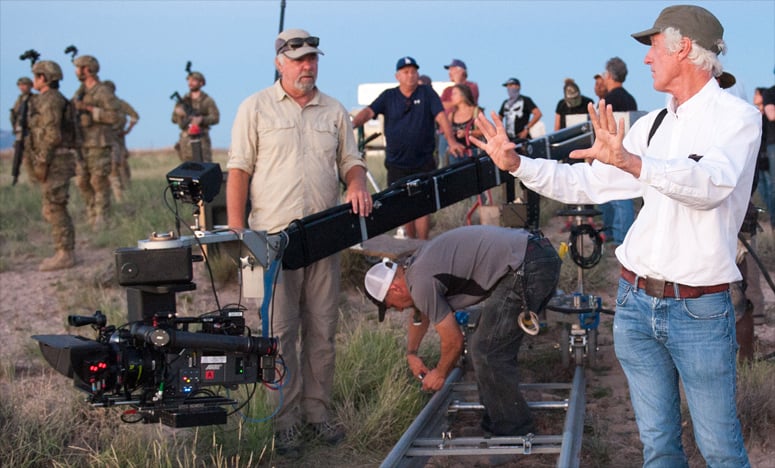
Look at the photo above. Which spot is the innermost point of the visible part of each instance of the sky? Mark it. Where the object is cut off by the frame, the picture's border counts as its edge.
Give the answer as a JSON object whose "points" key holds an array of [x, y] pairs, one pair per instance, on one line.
{"points": [[143, 46]]}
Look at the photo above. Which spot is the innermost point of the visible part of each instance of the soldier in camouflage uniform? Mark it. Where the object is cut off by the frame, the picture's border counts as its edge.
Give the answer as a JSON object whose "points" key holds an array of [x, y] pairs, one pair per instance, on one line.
{"points": [[98, 111], [119, 171], [53, 163], [20, 120], [202, 112]]}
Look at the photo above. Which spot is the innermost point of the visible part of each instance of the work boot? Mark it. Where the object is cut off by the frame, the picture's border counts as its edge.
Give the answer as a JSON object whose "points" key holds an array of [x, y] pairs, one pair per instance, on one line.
{"points": [[287, 442], [326, 432], [61, 260]]}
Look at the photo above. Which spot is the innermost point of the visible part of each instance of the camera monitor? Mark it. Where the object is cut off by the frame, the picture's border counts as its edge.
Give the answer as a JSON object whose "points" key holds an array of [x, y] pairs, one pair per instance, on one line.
{"points": [[192, 182]]}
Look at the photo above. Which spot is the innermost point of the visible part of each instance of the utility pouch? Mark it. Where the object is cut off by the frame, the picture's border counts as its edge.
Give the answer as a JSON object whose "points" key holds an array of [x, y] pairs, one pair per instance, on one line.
{"points": [[85, 119], [655, 288]]}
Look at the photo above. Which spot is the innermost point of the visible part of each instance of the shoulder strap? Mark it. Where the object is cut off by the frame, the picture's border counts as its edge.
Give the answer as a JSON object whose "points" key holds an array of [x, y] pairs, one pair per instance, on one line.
{"points": [[656, 124]]}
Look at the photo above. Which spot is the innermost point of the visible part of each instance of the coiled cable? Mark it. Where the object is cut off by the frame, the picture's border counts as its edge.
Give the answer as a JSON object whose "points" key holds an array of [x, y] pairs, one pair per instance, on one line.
{"points": [[597, 252]]}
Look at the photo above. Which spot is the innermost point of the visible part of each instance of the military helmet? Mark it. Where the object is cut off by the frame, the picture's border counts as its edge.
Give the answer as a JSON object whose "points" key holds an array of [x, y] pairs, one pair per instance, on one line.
{"points": [[24, 80], [49, 69], [110, 84], [87, 61], [197, 75]]}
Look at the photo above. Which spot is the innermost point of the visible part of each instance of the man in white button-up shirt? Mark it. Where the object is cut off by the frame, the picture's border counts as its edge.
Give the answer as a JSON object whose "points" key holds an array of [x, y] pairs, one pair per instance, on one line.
{"points": [[674, 318]]}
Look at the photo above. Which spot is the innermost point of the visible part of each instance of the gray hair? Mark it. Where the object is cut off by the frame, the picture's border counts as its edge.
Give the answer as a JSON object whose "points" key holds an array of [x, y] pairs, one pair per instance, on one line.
{"points": [[702, 58], [616, 69]]}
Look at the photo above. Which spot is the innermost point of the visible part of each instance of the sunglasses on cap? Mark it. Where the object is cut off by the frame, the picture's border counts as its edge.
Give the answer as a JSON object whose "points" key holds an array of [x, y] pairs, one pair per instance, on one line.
{"points": [[296, 42]]}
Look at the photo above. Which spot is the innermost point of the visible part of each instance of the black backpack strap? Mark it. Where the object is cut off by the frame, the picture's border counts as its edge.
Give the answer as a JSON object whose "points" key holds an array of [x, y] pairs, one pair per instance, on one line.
{"points": [[656, 124]]}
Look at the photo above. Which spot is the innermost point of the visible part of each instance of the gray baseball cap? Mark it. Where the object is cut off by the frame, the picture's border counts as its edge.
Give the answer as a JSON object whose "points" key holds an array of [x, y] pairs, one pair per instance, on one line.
{"points": [[694, 22], [296, 43]]}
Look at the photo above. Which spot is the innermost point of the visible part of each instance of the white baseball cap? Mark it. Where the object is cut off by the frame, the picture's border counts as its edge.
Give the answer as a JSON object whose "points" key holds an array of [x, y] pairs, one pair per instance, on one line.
{"points": [[377, 282]]}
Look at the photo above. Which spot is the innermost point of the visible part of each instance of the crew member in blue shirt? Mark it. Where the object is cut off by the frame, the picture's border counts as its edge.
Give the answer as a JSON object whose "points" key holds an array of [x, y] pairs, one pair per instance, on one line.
{"points": [[411, 111]]}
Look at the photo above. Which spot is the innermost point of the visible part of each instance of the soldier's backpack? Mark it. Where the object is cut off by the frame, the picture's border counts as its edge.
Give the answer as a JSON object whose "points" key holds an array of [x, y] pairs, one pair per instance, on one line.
{"points": [[71, 133]]}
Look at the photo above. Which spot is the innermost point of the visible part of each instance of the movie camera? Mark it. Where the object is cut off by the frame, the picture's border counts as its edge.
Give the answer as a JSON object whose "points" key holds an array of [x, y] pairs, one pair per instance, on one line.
{"points": [[167, 368]]}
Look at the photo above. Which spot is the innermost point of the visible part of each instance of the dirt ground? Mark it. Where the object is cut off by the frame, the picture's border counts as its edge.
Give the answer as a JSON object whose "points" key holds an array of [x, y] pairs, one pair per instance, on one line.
{"points": [[33, 302], [610, 432]]}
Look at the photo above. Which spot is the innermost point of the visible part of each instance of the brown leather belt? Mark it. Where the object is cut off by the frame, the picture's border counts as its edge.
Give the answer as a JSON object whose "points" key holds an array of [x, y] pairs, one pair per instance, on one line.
{"points": [[661, 288]]}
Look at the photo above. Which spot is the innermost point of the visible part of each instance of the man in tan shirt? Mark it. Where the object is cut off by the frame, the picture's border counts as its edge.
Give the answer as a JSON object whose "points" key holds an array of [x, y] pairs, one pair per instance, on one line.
{"points": [[291, 145]]}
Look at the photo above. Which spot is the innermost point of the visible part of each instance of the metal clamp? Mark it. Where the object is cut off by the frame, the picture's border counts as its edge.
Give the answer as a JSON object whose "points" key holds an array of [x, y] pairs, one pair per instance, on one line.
{"points": [[527, 444], [445, 436], [413, 187], [529, 323]]}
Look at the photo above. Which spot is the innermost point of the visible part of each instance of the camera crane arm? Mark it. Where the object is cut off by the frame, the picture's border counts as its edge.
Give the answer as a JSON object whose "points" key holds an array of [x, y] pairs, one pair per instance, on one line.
{"points": [[319, 235]]}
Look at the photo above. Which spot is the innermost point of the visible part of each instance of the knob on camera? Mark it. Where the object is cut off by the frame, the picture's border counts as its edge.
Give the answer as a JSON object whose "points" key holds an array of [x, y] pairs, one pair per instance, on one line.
{"points": [[97, 319]]}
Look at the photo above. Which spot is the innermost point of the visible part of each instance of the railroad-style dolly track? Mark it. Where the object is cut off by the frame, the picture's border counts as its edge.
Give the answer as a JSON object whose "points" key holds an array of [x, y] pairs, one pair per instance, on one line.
{"points": [[430, 435]]}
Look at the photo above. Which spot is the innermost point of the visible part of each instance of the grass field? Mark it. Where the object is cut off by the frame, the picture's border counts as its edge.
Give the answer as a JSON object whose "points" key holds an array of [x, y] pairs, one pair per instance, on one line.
{"points": [[45, 421]]}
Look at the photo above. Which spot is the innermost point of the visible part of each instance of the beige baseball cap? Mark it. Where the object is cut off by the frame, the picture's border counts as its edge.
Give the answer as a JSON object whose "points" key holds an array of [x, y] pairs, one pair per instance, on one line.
{"points": [[296, 43], [694, 22]]}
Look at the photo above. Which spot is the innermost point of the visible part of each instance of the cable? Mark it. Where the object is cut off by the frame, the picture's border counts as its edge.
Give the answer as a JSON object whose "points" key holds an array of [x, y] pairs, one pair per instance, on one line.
{"points": [[597, 253], [273, 270], [247, 400], [178, 221], [263, 420], [173, 209], [279, 388], [758, 261]]}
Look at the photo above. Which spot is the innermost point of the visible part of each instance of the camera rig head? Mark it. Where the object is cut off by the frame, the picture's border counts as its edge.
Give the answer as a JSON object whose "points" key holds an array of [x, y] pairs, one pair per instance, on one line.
{"points": [[170, 368]]}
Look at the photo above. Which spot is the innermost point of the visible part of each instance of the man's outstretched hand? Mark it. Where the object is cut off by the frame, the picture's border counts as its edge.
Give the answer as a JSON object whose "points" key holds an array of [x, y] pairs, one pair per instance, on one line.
{"points": [[608, 148], [496, 142]]}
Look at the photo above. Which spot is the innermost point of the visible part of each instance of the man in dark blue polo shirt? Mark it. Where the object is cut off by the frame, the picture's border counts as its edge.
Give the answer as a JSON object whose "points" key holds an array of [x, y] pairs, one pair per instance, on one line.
{"points": [[411, 112]]}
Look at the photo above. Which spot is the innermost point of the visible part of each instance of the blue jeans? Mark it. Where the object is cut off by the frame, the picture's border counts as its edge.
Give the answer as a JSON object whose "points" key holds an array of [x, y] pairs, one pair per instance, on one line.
{"points": [[770, 200], [765, 189], [607, 212], [618, 216], [442, 147], [658, 342], [497, 337]]}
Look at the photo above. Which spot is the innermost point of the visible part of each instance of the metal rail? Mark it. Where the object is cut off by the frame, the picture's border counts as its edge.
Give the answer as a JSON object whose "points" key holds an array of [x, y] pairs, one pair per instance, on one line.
{"points": [[428, 436], [574, 422], [426, 421]]}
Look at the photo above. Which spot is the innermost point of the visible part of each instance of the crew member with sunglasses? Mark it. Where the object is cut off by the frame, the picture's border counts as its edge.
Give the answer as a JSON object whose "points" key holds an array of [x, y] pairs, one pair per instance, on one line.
{"points": [[411, 112], [291, 144]]}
